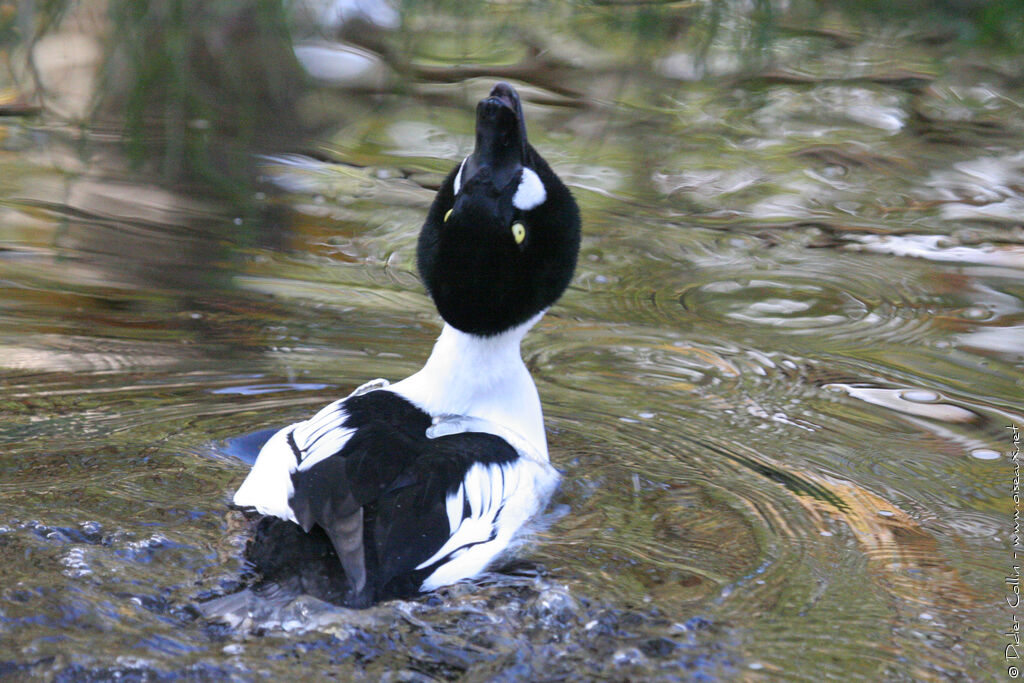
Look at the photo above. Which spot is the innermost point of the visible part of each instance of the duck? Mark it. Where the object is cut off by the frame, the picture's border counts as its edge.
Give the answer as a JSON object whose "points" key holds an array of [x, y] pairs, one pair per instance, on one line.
{"points": [[402, 488]]}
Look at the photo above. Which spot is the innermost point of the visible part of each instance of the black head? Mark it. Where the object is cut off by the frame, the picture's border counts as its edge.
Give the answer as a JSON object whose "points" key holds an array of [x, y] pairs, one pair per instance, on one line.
{"points": [[503, 248]]}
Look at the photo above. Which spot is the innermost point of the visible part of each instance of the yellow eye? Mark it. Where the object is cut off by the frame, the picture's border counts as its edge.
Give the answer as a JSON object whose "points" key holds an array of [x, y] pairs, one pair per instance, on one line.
{"points": [[518, 232], [446, 215]]}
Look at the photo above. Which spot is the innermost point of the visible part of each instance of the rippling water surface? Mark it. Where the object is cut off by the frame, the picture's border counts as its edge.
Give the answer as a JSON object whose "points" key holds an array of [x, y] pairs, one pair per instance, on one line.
{"points": [[781, 388]]}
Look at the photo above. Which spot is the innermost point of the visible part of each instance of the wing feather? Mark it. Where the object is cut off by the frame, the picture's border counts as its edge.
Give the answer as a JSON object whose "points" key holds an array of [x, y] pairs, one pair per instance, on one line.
{"points": [[269, 487], [484, 487]]}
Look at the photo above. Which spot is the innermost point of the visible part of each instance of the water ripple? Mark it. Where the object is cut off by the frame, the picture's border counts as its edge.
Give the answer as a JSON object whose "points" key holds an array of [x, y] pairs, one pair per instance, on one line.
{"points": [[843, 305]]}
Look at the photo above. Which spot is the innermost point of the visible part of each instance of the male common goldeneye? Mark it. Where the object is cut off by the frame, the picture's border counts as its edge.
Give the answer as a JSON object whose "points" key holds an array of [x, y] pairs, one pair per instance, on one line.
{"points": [[406, 487]]}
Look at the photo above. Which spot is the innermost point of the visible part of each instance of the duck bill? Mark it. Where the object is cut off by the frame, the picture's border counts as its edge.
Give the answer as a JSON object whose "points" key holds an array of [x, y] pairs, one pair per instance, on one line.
{"points": [[500, 137]]}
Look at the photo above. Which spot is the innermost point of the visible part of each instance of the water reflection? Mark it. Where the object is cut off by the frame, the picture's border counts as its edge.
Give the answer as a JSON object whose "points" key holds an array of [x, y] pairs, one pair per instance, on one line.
{"points": [[778, 389]]}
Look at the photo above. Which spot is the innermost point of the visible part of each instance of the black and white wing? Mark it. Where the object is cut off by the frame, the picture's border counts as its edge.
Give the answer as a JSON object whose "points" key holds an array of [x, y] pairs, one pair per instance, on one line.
{"points": [[269, 488], [477, 491]]}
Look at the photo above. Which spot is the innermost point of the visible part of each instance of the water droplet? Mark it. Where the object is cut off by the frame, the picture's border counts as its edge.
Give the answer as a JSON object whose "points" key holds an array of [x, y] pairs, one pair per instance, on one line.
{"points": [[976, 313], [985, 454], [835, 171], [886, 513]]}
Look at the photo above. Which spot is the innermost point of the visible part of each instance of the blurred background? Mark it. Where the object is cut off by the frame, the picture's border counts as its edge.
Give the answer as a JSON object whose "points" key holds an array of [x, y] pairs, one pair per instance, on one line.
{"points": [[781, 389]]}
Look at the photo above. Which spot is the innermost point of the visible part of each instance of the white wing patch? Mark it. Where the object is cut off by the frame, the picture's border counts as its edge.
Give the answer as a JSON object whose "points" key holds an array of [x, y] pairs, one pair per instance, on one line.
{"points": [[501, 498], [269, 484], [454, 505], [268, 488], [484, 489], [321, 436]]}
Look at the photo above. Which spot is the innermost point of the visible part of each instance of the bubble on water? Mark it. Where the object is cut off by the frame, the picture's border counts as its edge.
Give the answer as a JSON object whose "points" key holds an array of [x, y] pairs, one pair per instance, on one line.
{"points": [[976, 313], [628, 657], [916, 402], [919, 396], [75, 563], [985, 454]]}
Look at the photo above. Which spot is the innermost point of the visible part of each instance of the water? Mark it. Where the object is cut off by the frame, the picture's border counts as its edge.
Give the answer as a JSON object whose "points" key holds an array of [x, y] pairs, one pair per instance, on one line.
{"points": [[780, 388]]}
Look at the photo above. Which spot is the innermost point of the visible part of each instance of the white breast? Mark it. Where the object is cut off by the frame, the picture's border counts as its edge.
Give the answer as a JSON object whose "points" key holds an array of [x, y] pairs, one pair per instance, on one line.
{"points": [[480, 377]]}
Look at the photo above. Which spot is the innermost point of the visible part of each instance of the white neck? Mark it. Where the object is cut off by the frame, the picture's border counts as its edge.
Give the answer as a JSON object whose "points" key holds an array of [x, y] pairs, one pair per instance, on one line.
{"points": [[481, 377]]}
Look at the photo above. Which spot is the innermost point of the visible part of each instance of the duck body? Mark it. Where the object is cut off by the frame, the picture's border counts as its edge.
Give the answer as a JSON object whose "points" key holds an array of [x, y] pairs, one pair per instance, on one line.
{"points": [[406, 487]]}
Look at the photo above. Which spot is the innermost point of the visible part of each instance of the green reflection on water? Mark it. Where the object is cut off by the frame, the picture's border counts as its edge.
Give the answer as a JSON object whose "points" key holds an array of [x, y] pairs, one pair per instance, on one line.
{"points": [[736, 384]]}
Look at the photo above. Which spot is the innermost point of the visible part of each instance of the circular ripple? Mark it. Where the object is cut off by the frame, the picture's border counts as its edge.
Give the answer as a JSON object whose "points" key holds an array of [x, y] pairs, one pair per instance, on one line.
{"points": [[801, 293], [639, 373], [837, 305], [795, 305]]}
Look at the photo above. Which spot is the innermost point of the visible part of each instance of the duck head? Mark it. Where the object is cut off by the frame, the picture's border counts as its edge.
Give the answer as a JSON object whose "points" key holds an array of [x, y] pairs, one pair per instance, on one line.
{"points": [[500, 241]]}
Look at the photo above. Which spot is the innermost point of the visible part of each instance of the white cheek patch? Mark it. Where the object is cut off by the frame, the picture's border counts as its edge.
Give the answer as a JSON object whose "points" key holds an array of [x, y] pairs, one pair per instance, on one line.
{"points": [[458, 178], [531, 192]]}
